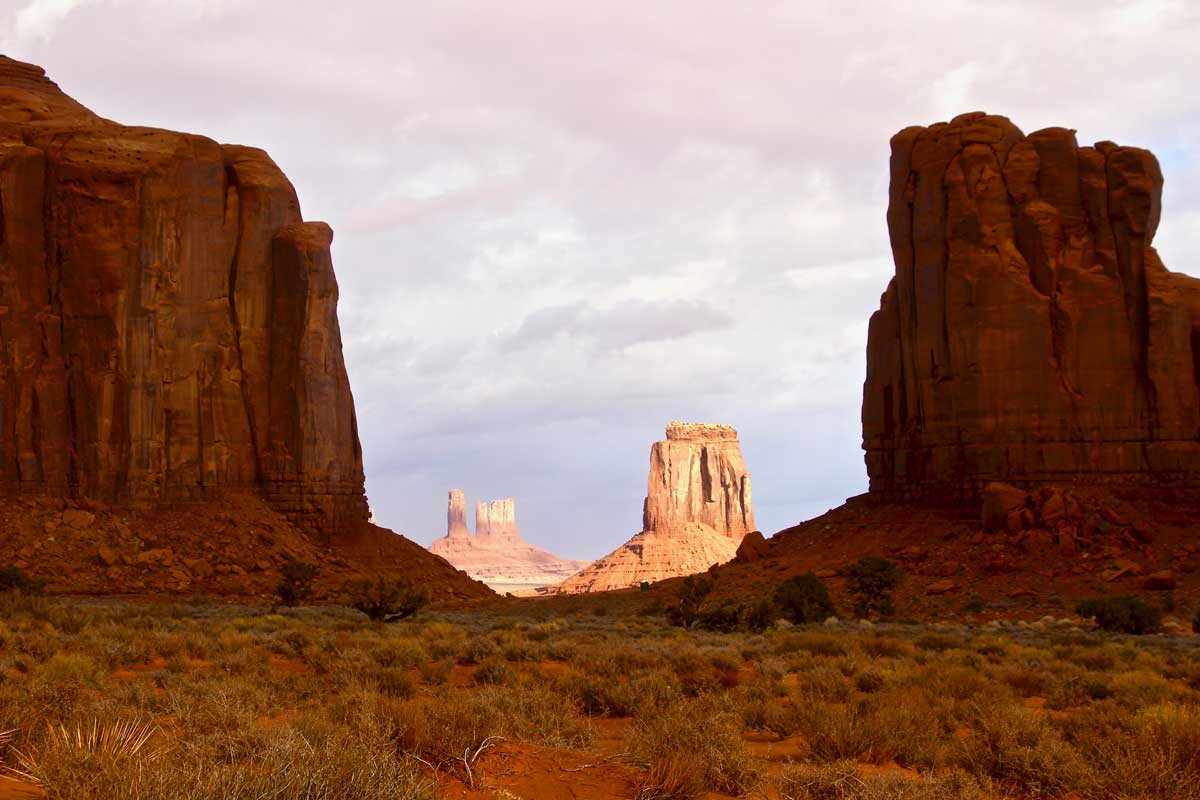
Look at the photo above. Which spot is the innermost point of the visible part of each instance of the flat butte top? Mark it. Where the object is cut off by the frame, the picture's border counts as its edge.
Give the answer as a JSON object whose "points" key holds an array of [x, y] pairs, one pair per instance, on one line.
{"points": [[700, 432]]}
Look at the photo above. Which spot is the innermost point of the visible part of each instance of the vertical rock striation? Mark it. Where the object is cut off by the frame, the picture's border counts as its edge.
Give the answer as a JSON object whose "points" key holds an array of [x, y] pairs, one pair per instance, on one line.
{"points": [[697, 474], [1031, 332], [168, 322]]}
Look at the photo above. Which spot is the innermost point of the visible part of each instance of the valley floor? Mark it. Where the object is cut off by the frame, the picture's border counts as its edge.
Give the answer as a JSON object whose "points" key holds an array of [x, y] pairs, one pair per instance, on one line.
{"points": [[114, 699]]}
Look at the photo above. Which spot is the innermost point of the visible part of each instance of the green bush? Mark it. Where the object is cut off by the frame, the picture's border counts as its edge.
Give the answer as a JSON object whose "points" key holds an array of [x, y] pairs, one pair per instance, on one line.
{"points": [[296, 581], [724, 618], [871, 580], [804, 598], [687, 606], [385, 599], [758, 616], [1122, 614], [13, 578]]}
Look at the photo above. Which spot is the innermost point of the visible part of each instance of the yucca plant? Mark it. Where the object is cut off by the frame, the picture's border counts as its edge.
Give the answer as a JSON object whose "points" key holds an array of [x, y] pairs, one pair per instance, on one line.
{"points": [[87, 747]]}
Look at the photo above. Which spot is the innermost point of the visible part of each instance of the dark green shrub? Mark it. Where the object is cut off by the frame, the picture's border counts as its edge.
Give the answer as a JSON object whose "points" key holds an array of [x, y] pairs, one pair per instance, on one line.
{"points": [[296, 581], [758, 616], [13, 578], [871, 580], [1122, 614], [724, 617], [804, 598], [385, 599], [686, 609]]}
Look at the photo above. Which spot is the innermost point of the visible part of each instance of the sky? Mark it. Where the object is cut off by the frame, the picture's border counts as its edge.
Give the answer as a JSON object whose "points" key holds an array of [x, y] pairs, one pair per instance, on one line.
{"points": [[559, 226]]}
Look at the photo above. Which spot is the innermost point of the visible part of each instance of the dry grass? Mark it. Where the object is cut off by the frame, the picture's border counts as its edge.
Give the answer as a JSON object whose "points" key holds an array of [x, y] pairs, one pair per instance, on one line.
{"points": [[316, 703]]}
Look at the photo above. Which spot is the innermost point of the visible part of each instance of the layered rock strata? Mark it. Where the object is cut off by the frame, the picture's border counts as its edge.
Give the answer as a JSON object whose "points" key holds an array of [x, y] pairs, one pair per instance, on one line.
{"points": [[1031, 333], [168, 321], [496, 554], [697, 510]]}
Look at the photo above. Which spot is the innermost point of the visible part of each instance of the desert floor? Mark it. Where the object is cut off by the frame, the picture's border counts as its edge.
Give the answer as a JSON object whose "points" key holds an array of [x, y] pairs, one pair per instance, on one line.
{"points": [[122, 699]]}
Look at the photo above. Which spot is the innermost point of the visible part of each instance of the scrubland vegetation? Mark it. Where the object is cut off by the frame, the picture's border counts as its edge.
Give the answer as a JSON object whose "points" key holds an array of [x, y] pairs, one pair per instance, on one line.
{"points": [[122, 700]]}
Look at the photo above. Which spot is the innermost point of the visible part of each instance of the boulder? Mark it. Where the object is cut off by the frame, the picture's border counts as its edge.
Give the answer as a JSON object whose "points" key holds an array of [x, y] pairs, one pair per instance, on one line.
{"points": [[754, 547], [1001, 507], [1161, 581]]}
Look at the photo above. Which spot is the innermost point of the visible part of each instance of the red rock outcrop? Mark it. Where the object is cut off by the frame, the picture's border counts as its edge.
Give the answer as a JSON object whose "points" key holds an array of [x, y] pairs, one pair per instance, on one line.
{"points": [[1031, 333], [696, 512], [496, 554], [168, 321]]}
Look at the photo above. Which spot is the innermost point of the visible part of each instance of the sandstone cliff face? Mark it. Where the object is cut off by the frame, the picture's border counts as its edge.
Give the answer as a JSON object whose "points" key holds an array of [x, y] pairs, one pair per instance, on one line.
{"points": [[696, 512], [496, 554], [1031, 332], [168, 322], [697, 475]]}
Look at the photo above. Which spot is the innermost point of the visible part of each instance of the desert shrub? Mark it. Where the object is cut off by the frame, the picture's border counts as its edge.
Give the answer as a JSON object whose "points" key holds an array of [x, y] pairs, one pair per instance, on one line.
{"points": [[403, 653], [1122, 614], [13, 578], [1154, 753], [868, 682], [296, 581], [725, 618], [804, 598], [494, 670], [842, 780], [395, 682], [885, 647], [477, 649], [435, 673], [1019, 747], [693, 747], [385, 599], [686, 608], [937, 642], [757, 616], [871, 580], [817, 644]]}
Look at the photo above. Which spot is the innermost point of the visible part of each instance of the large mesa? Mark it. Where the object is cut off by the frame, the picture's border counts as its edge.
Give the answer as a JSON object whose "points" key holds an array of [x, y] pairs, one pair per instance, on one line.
{"points": [[168, 334], [1031, 333]]}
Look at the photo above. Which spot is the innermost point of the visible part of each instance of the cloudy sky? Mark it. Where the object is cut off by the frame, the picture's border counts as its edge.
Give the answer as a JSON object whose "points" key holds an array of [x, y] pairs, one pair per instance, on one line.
{"points": [[561, 225]]}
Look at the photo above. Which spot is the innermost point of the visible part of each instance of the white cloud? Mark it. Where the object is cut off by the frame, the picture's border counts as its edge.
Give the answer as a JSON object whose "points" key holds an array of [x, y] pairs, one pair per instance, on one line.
{"points": [[39, 18]]}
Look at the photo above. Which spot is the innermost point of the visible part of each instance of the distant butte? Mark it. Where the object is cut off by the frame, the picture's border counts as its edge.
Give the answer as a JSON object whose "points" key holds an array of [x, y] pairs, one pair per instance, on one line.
{"points": [[696, 512], [496, 554]]}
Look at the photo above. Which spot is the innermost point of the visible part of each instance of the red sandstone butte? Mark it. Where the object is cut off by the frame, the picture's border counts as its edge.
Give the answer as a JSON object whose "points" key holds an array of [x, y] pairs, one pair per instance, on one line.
{"points": [[1031, 333], [168, 321]]}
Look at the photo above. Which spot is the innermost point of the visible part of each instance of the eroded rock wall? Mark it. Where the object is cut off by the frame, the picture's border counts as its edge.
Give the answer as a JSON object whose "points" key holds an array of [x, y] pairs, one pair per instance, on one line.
{"points": [[168, 322], [697, 474], [1031, 332]]}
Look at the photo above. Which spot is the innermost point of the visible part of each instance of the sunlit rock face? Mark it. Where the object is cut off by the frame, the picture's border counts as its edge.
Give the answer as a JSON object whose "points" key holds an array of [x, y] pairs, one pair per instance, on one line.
{"points": [[168, 321], [697, 510], [1031, 332], [496, 554]]}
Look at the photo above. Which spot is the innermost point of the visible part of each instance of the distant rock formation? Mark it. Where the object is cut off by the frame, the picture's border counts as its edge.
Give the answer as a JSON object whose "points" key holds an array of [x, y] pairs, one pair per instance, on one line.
{"points": [[169, 334], [697, 475], [456, 515], [496, 554], [697, 510], [1031, 333]]}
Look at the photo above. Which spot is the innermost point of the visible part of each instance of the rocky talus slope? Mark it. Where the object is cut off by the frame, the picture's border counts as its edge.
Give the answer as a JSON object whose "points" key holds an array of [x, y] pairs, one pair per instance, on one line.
{"points": [[697, 510], [496, 554], [168, 326]]}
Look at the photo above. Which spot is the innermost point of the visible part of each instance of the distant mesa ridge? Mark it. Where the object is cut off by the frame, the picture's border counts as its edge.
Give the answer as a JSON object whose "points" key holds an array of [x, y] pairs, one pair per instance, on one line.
{"points": [[496, 554], [1031, 332]]}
